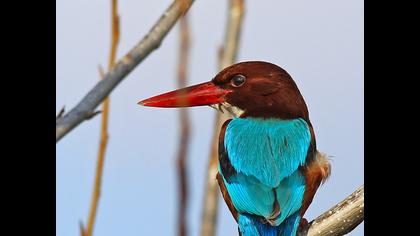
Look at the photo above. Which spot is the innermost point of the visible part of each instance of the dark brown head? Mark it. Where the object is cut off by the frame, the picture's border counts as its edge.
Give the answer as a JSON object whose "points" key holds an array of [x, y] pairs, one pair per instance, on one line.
{"points": [[261, 89], [247, 89]]}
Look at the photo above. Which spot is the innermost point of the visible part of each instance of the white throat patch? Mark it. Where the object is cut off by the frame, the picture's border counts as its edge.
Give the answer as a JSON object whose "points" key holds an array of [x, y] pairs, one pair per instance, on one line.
{"points": [[226, 107]]}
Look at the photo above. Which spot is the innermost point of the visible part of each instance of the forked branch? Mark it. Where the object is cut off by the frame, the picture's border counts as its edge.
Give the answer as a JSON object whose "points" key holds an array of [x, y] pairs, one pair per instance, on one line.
{"points": [[122, 68]]}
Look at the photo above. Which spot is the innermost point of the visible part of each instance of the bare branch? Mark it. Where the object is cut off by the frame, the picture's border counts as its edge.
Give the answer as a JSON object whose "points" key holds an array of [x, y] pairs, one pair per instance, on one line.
{"points": [[227, 57], [122, 68], [185, 128], [340, 219], [104, 125]]}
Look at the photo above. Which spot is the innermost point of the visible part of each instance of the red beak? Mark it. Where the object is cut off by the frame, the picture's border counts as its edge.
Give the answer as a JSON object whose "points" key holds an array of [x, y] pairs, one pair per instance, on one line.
{"points": [[196, 95]]}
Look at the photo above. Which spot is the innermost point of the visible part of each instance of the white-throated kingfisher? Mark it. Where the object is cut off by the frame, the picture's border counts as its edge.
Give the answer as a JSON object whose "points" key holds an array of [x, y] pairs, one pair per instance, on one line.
{"points": [[269, 167]]}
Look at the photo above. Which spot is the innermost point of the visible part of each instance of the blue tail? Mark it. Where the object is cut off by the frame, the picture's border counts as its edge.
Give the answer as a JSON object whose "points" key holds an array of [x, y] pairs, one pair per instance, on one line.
{"points": [[250, 226]]}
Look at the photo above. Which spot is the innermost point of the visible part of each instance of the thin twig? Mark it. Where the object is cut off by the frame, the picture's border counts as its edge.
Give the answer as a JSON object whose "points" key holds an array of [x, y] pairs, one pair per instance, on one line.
{"points": [[115, 35], [227, 57], [61, 112], [82, 229], [122, 68], [340, 219], [185, 128], [93, 114]]}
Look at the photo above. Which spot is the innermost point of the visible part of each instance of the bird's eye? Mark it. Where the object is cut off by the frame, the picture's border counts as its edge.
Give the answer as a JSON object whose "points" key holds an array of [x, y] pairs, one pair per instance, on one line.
{"points": [[237, 80]]}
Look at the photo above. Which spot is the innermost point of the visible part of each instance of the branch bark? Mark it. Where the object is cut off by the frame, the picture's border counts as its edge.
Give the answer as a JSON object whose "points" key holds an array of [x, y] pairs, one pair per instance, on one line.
{"points": [[122, 68], [115, 36], [227, 56], [340, 219], [185, 128]]}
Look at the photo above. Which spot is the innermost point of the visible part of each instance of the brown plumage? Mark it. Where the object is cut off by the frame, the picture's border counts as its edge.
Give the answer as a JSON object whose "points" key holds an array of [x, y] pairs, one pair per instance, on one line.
{"points": [[315, 172], [269, 91]]}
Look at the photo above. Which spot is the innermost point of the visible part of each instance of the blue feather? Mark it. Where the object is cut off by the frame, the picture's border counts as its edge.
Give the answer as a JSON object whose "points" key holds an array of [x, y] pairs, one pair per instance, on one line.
{"points": [[290, 195], [250, 226], [269, 149], [290, 226], [266, 154], [249, 195]]}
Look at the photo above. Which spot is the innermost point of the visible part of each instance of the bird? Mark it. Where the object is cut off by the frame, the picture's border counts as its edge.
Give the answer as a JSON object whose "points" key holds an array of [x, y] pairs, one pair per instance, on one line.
{"points": [[269, 167]]}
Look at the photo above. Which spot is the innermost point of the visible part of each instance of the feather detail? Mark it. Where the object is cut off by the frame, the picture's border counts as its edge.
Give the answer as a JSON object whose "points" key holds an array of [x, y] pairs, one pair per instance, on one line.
{"points": [[226, 196], [268, 149], [249, 225], [248, 195], [290, 195], [316, 173], [259, 165]]}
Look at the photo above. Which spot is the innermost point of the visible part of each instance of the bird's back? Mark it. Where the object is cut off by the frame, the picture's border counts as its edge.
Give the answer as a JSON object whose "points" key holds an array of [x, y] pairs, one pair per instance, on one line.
{"points": [[259, 161]]}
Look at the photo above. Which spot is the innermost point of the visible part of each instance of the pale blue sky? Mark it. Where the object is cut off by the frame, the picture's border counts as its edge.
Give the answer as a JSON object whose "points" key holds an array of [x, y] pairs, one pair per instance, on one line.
{"points": [[320, 43]]}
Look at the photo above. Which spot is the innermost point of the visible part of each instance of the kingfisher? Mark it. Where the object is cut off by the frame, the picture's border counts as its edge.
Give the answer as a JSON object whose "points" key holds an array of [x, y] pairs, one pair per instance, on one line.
{"points": [[269, 167]]}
